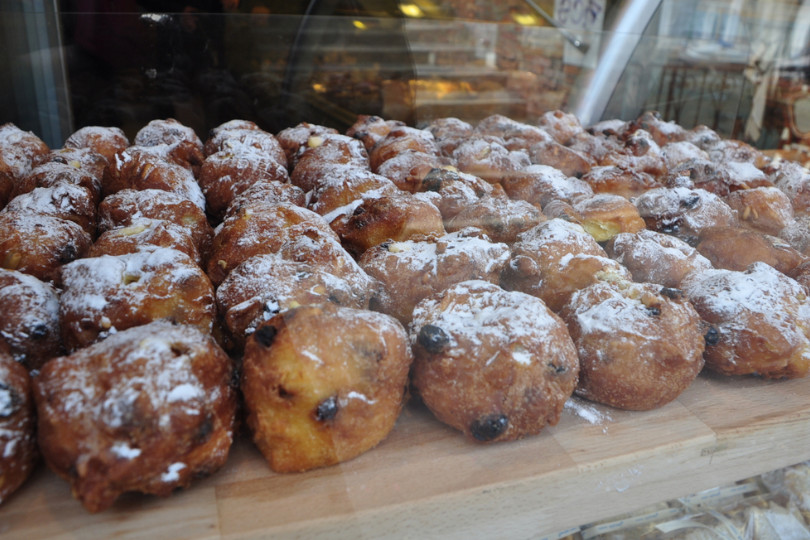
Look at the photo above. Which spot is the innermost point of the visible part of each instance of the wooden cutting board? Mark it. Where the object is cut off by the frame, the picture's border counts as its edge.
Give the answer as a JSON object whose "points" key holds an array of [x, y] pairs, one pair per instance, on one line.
{"points": [[426, 480]]}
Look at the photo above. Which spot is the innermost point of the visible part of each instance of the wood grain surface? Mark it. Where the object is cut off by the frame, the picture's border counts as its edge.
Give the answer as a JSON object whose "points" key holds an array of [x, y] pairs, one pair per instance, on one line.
{"points": [[426, 480]]}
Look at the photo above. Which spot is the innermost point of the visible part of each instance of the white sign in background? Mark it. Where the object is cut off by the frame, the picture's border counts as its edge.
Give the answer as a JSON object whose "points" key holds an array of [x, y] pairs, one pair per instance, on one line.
{"points": [[584, 19]]}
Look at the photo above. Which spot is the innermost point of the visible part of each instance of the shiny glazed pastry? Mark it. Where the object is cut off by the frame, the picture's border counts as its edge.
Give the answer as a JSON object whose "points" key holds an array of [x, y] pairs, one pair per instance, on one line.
{"points": [[493, 364], [323, 384], [149, 409], [104, 295], [29, 326], [18, 440], [640, 345], [760, 321]]}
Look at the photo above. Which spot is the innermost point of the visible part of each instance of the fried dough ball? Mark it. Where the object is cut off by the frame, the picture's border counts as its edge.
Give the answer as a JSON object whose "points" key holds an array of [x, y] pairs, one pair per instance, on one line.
{"points": [[18, 150], [85, 159], [149, 409], [106, 294], [759, 321], [456, 190], [639, 345], [556, 258], [399, 140], [702, 174], [414, 269], [293, 140], [219, 134], [605, 215], [106, 141], [259, 229], [370, 129], [266, 193], [266, 285], [65, 201], [540, 184], [797, 234], [735, 248], [676, 153], [627, 182], [148, 168], [398, 216], [344, 187], [516, 135], [181, 143], [233, 139], [639, 153], [227, 173], [489, 159], [734, 151], [324, 152], [561, 125], [55, 173], [662, 132], [30, 324], [684, 212], [557, 208], [145, 232], [794, 181], [448, 133], [18, 441], [407, 169], [493, 364], [128, 205], [39, 245], [655, 257], [323, 384], [567, 160], [501, 218], [764, 209]]}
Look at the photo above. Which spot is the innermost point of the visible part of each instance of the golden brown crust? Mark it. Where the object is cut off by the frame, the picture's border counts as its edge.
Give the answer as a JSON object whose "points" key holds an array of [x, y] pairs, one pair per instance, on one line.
{"points": [[293, 140], [149, 409], [65, 201], [370, 129], [758, 321], [399, 140], [735, 248], [29, 327], [501, 218], [398, 216], [639, 345], [18, 441], [227, 173], [324, 152], [555, 259], [567, 160], [493, 364], [183, 146], [145, 233], [414, 269], [18, 150], [39, 245], [266, 285], [121, 208], [106, 294], [764, 209], [605, 215], [655, 257], [54, 173], [106, 141], [323, 384], [143, 167], [259, 229]]}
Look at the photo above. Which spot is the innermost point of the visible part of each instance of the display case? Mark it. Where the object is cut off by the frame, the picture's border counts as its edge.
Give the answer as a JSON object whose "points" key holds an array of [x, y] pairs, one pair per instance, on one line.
{"points": [[739, 67]]}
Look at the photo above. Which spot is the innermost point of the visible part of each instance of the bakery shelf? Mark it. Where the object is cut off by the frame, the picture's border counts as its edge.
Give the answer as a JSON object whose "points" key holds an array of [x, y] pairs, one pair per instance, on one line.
{"points": [[425, 480]]}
